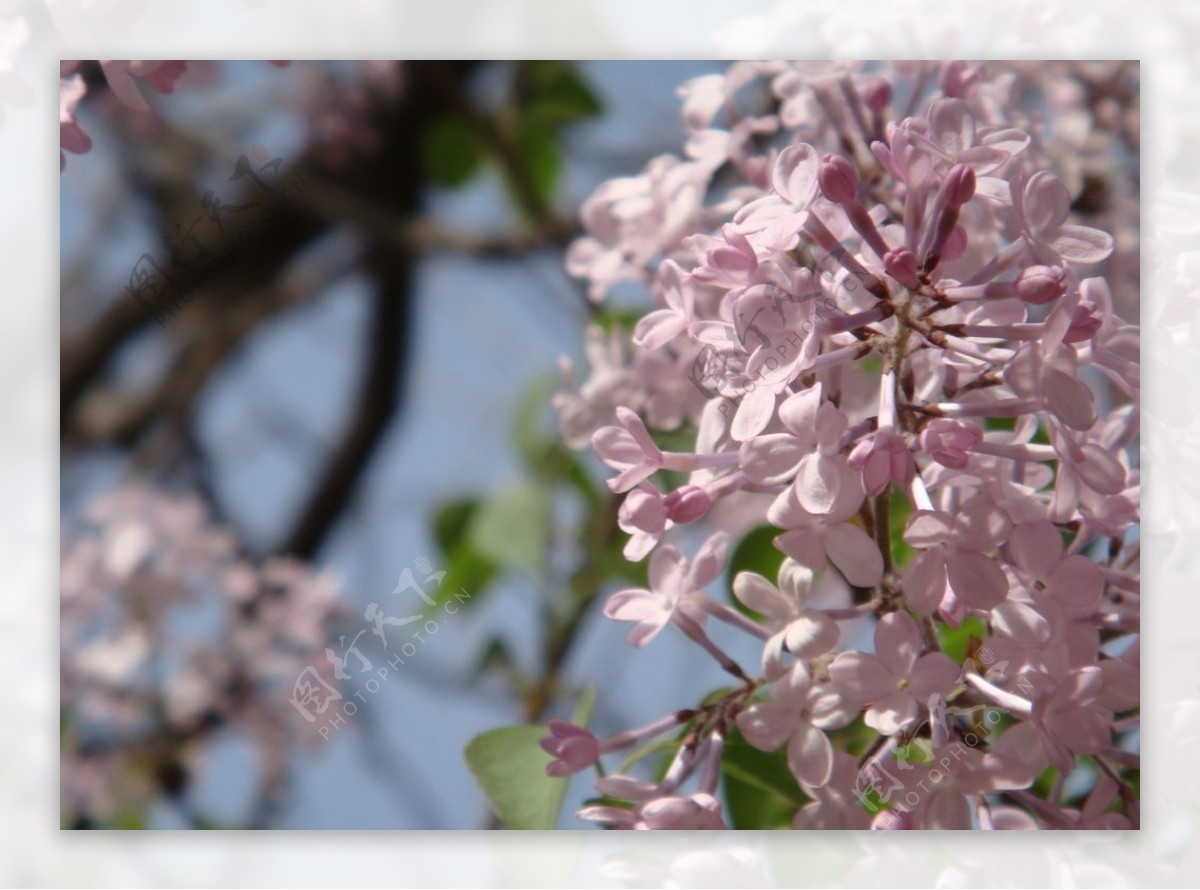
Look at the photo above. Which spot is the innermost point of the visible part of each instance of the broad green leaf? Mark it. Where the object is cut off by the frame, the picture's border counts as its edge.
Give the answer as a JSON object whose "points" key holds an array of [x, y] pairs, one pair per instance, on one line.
{"points": [[555, 91], [752, 809], [511, 527], [759, 788], [451, 151], [510, 767], [766, 770]]}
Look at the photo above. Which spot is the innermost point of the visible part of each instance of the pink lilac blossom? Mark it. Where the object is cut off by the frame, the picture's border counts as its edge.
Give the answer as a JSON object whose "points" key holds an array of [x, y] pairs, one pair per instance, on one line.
{"points": [[172, 641], [886, 325]]}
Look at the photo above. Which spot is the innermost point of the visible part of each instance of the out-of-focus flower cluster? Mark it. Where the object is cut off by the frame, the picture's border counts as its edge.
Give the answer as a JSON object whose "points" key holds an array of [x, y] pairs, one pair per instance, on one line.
{"points": [[172, 641], [883, 315], [127, 82]]}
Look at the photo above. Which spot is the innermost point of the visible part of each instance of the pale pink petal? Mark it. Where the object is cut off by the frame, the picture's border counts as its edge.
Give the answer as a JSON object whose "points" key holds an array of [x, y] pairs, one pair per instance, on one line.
{"points": [[1082, 244], [659, 328], [935, 673], [799, 415], [1076, 582], [892, 713], [666, 571], [861, 677], [757, 593], [855, 553], [898, 642], [818, 482], [795, 175], [1021, 622], [805, 545], [1036, 547], [946, 809], [709, 561], [976, 579], [810, 756], [1046, 203], [773, 458], [924, 581], [1069, 399], [766, 725], [928, 528], [811, 634], [1084, 731], [753, 414]]}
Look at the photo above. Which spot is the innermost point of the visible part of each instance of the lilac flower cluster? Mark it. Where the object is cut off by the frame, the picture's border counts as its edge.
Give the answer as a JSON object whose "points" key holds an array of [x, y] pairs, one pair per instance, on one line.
{"points": [[171, 642], [881, 320]]}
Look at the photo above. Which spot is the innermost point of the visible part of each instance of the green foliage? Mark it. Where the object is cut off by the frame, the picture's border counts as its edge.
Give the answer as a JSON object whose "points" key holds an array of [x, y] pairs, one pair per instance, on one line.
{"points": [[956, 641], [525, 132], [555, 92], [541, 157], [510, 767], [451, 151], [467, 567], [760, 790], [899, 510], [511, 527]]}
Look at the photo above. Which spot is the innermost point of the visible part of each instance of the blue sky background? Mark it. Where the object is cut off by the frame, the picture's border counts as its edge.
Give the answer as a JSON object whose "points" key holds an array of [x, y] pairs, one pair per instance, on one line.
{"points": [[485, 331]]}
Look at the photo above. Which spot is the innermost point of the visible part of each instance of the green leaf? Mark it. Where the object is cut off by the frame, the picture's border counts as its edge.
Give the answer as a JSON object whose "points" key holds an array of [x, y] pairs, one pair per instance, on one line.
{"points": [[511, 527], [613, 317], [555, 91], [956, 640], [756, 552], [510, 767], [466, 567], [759, 788], [899, 510], [538, 146], [451, 151], [529, 428], [451, 522]]}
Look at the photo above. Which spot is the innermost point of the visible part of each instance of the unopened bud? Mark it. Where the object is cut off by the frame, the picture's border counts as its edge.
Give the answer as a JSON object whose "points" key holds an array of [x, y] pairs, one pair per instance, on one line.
{"points": [[687, 504], [1041, 284], [959, 185], [839, 181]]}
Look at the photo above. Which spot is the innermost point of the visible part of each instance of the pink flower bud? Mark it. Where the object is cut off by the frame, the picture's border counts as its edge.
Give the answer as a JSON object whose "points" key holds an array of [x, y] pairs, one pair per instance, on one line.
{"points": [[901, 264], [838, 179], [877, 94], [573, 747], [643, 510], [1041, 284], [947, 441], [882, 458], [1084, 323], [959, 185], [687, 504]]}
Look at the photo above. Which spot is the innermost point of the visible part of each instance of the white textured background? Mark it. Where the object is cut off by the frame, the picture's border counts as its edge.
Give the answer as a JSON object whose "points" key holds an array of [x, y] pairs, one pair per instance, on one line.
{"points": [[34, 35]]}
